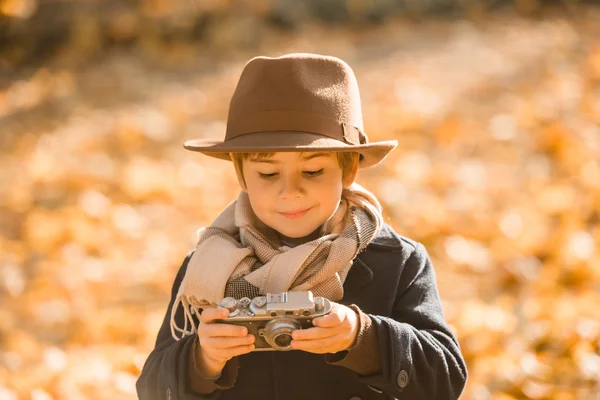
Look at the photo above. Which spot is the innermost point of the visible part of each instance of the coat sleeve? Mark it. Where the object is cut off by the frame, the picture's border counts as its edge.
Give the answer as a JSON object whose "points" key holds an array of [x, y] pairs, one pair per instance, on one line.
{"points": [[165, 373], [421, 358]]}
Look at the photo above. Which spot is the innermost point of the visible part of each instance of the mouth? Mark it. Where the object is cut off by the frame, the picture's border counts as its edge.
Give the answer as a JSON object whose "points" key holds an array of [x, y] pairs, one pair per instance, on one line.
{"points": [[296, 213]]}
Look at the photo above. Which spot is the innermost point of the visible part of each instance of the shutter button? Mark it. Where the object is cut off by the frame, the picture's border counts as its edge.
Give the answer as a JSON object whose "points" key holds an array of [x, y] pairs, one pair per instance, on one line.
{"points": [[402, 379]]}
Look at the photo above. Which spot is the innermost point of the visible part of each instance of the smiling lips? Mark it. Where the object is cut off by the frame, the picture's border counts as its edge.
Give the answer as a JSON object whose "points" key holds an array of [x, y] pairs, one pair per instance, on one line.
{"points": [[295, 214]]}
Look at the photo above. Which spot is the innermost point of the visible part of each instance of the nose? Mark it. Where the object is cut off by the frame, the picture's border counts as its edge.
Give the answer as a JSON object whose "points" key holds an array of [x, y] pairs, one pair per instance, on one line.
{"points": [[291, 188]]}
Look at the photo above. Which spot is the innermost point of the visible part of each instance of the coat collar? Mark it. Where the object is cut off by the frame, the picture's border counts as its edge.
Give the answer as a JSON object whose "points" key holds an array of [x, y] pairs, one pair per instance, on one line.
{"points": [[386, 238], [361, 274]]}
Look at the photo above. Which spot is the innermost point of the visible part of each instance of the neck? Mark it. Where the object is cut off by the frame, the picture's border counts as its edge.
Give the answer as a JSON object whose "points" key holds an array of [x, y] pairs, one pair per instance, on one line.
{"points": [[301, 240]]}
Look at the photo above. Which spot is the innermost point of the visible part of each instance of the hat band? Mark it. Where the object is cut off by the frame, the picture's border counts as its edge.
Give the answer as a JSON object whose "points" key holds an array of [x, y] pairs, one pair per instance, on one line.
{"points": [[285, 121]]}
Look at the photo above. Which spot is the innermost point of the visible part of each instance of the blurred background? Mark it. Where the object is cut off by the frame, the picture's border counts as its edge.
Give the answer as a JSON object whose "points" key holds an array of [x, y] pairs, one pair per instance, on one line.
{"points": [[496, 105]]}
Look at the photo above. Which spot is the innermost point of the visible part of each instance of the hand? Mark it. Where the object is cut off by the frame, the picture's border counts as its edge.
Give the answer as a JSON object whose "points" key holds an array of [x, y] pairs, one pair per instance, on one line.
{"points": [[220, 342], [332, 333]]}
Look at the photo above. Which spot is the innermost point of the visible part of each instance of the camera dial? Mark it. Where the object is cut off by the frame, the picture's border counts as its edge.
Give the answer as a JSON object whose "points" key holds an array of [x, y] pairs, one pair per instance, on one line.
{"points": [[245, 302], [259, 301], [231, 304]]}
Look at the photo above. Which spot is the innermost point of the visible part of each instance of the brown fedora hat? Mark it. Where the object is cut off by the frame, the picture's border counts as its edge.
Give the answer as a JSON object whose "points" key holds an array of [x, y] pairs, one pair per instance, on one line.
{"points": [[296, 102]]}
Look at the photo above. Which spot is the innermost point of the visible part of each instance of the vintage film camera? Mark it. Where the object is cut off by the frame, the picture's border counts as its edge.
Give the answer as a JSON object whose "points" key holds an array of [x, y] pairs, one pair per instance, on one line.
{"points": [[273, 317]]}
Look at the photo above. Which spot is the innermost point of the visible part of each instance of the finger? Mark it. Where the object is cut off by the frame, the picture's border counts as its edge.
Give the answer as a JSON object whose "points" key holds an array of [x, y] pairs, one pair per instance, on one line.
{"points": [[210, 314], [228, 353], [221, 330], [334, 318], [315, 333], [330, 344], [226, 342]]}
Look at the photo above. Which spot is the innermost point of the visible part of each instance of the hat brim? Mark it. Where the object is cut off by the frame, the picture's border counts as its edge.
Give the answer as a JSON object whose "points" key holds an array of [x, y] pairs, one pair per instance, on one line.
{"points": [[267, 142]]}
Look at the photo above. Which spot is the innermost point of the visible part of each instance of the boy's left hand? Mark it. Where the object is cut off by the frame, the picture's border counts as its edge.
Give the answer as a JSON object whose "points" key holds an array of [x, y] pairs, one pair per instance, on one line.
{"points": [[331, 333]]}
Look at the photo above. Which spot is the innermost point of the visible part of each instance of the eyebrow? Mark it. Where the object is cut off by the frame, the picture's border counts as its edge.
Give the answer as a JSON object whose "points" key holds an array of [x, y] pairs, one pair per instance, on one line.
{"points": [[306, 158]]}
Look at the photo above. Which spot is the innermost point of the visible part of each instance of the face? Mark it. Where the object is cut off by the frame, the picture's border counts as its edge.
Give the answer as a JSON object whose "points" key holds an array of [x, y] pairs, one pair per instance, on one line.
{"points": [[295, 193]]}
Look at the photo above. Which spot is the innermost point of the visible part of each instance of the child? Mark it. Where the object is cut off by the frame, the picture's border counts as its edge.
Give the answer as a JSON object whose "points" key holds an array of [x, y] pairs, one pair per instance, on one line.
{"points": [[295, 135]]}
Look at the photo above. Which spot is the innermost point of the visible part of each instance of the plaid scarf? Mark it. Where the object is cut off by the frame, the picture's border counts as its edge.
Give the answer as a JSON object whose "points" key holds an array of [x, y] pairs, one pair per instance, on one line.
{"points": [[239, 256]]}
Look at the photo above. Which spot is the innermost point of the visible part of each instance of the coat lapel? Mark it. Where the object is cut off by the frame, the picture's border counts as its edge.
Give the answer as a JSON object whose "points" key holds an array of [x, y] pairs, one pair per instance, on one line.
{"points": [[359, 276]]}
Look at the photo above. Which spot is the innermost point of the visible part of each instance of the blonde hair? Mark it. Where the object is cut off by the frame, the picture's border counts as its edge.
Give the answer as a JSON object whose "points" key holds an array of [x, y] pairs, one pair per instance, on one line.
{"points": [[347, 160]]}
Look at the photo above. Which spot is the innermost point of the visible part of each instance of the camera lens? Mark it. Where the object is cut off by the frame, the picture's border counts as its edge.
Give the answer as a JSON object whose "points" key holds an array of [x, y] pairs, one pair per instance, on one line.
{"points": [[284, 340], [278, 333]]}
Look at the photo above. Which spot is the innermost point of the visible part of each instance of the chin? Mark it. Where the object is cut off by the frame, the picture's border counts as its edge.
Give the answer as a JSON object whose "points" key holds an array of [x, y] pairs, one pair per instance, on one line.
{"points": [[299, 234]]}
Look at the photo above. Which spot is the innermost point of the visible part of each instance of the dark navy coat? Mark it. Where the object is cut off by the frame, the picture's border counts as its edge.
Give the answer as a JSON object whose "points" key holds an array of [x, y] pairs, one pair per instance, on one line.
{"points": [[393, 281]]}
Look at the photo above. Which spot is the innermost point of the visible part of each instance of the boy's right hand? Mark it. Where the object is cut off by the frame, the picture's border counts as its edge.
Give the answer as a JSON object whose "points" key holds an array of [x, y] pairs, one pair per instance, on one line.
{"points": [[219, 342]]}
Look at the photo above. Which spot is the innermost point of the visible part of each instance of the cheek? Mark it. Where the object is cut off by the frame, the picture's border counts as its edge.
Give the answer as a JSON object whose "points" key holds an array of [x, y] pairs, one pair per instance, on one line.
{"points": [[257, 194], [328, 195], [261, 196], [255, 185], [331, 185]]}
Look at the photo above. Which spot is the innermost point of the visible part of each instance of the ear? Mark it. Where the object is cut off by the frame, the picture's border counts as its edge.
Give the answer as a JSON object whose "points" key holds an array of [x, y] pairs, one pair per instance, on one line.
{"points": [[351, 177], [239, 175]]}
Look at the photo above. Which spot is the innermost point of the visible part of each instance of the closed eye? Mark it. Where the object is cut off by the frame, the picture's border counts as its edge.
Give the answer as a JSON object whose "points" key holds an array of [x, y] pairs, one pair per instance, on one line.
{"points": [[313, 174], [267, 176]]}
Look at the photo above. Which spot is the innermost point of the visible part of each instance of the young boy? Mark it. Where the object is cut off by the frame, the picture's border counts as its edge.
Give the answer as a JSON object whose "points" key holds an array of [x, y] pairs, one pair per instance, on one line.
{"points": [[295, 136]]}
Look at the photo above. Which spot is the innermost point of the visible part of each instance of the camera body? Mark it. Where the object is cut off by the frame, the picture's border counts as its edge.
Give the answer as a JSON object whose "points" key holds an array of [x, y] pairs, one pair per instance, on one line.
{"points": [[272, 318]]}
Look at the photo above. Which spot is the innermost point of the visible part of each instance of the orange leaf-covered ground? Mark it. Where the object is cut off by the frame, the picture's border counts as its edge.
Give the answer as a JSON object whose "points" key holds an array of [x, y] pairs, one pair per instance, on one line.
{"points": [[497, 173]]}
